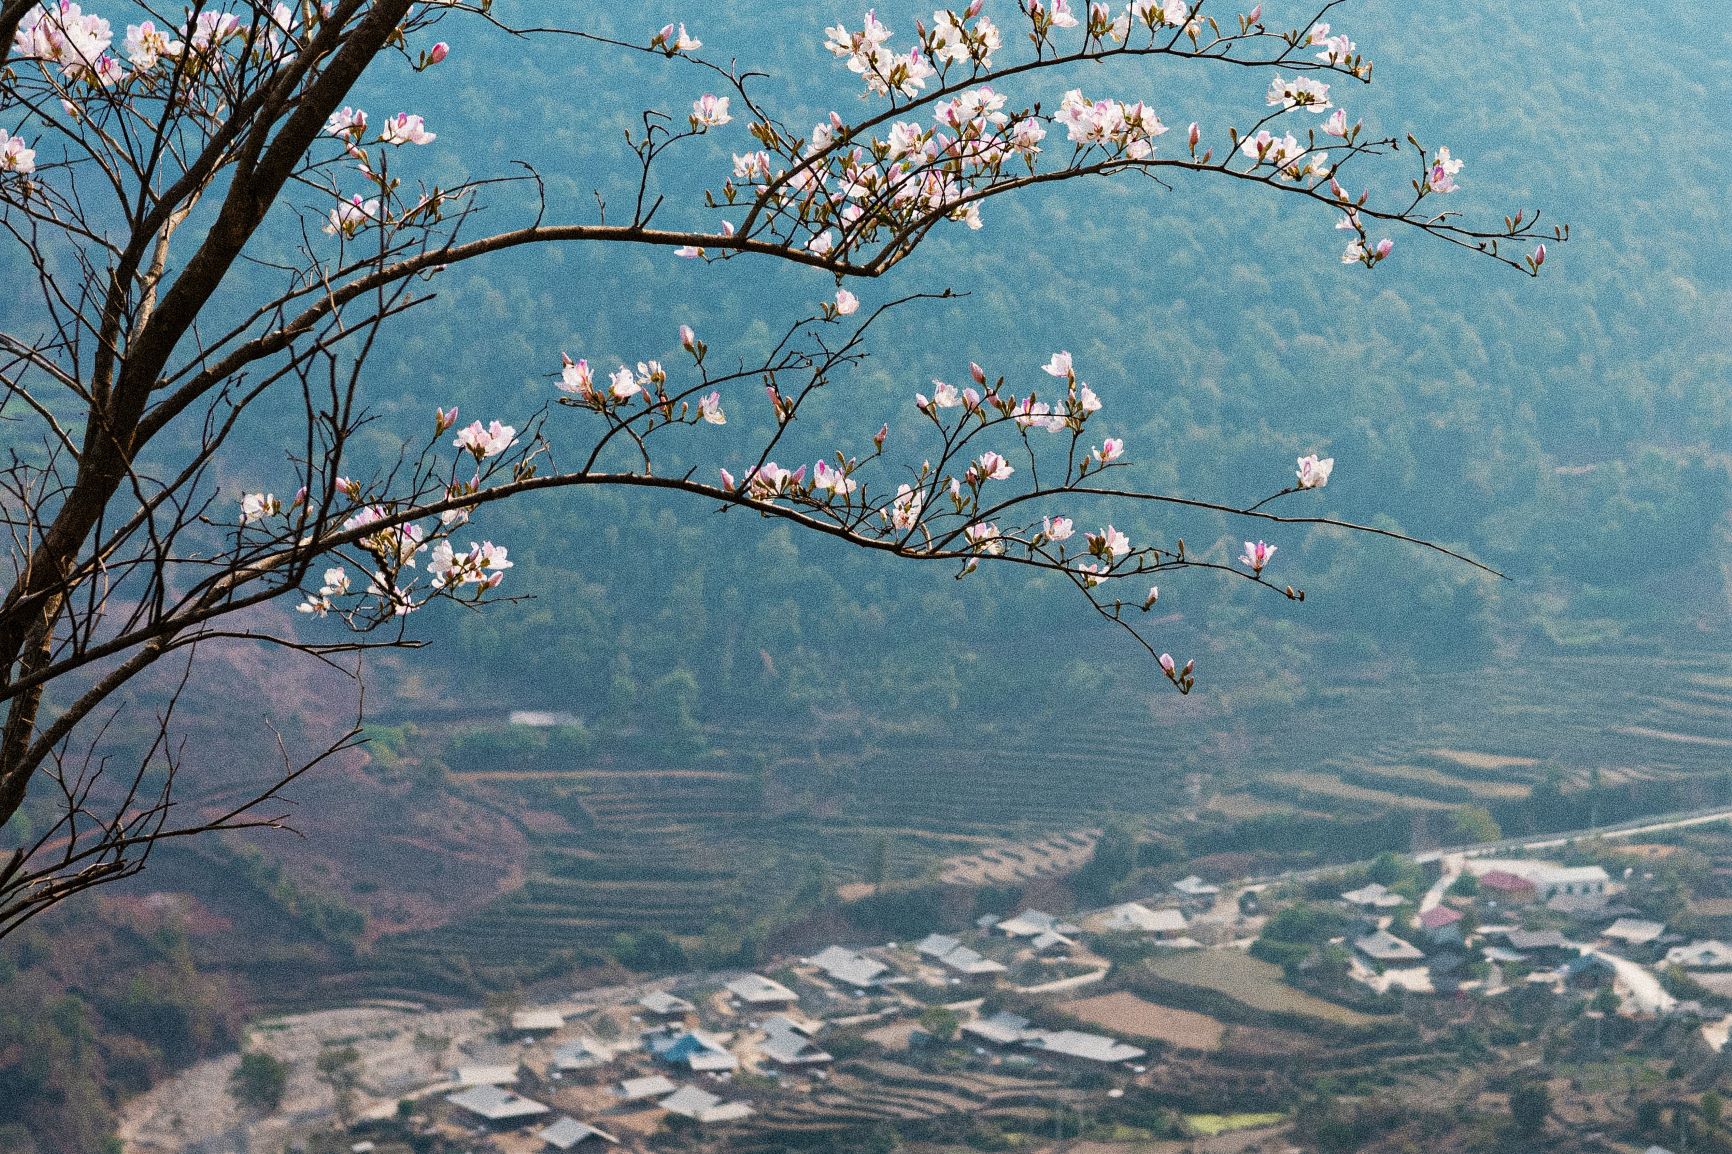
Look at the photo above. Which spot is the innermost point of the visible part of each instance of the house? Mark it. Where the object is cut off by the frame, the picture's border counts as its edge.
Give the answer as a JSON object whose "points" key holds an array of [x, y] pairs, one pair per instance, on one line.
{"points": [[757, 990], [1374, 896], [568, 1133], [485, 1075], [584, 1053], [1196, 887], [703, 1106], [653, 1086], [1503, 956], [1133, 917], [969, 963], [1543, 946], [665, 1005], [1384, 946], [1076, 1044], [789, 1043], [1584, 907], [1033, 923], [936, 945], [1554, 880], [1710, 955], [1050, 940], [537, 1021], [849, 968], [1506, 886], [496, 1106], [1001, 1029], [694, 1049], [1633, 931], [1441, 924]]}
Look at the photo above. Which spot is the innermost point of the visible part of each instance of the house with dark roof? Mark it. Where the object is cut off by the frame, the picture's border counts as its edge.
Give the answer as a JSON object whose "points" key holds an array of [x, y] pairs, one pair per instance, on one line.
{"points": [[1507, 886], [1441, 924]]}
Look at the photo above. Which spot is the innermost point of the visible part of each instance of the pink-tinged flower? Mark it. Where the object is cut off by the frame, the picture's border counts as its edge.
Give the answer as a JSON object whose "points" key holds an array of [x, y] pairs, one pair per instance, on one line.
{"points": [[1441, 177], [1154, 596], [753, 167], [1109, 543], [1314, 472], [1193, 135], [984, 538], [1168, 665], [1087, 401], [1539, 256], [727, 479], [346, 121], [689, 251], [905, 508], [1061, 16], [1355, 252], [351, 488], [971, 398], [945, 395], [1112, 448], [1057, 528], [822, 245], [1299, 92], [210, 29], [438, 53], [575, 377], [710, 111], [443, 419], [977, 373], [485, 442], [1092, 574], [406, 128], [622, 385], [1336, 125], [1059, 366], [1384, 248], [710, 409], [1033, 414], [878, 437], [991, 467], [351, 216], [107, 71], [832, 479], [688, 338], [1254, 15], [1257, 555], [258, 506], [62, 33], [146, 44], [847, 304], [14, 157]]}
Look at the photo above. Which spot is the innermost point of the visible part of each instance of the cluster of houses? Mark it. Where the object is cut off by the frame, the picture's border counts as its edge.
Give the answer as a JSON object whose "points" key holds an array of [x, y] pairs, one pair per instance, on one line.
{"points": [[1558, 926], [685, 1046]]}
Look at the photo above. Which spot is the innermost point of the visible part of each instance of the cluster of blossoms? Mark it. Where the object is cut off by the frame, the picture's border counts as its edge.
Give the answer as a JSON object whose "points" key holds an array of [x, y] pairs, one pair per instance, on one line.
{"points": [[336, 584], [1128, 128], [1337, 51], [869, 56], [62, 33], [483, 566], [349, 126]]}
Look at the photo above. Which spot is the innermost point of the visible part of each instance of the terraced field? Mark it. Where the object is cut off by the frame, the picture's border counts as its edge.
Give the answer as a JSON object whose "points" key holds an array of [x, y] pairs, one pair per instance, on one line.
{"points": [[682, 847]]}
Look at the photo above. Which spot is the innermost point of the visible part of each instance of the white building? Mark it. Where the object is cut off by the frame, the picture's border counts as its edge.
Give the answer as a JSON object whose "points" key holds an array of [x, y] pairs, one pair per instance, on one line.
{"points": [[761, 991]]}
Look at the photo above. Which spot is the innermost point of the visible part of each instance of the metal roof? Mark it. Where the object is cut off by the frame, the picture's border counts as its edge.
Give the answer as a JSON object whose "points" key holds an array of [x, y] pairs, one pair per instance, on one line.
{"points": [[496, 1104], [568, 1132]]}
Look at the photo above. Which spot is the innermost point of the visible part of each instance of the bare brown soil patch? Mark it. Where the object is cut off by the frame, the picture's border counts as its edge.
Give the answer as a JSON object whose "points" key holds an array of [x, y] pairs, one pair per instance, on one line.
{"points": [[1124, 1013]]}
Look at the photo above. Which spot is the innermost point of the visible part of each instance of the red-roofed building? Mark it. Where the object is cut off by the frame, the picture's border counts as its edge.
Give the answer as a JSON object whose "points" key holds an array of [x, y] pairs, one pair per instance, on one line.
{"points": [[1507, 885], [1441, 924]]}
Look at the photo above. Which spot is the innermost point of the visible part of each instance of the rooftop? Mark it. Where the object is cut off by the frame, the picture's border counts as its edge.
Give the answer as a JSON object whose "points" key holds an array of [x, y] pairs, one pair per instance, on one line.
{"points": [[1635, 931], [653, 1086], [1384, 946], [759, 990], [1196, 887], [845, 965], [1439, 916], [662, 1002], [1375, 895], [703, 1106], [1076, 1044], [486, 1075], [936, 945], [1135, 917], [496, 1103], [537, 1020], [568, 1132]]}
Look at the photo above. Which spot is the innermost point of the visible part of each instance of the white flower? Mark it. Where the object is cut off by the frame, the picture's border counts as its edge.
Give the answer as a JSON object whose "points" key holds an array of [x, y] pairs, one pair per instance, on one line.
{"points": [[346, 121], [1057, 528], [622, 385], [847, 304], [710, 409], [1299, 92], [905, 508], [258, 506], [146, 44], [485, 442], [14, 157], [1314, 473], [1059, 366], [351, 216], [709, 111], [406, 128]]}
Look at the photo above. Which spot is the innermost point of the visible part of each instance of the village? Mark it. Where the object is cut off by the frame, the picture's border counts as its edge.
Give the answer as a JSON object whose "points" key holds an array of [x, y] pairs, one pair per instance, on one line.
{"points": [[1031, 1022]]}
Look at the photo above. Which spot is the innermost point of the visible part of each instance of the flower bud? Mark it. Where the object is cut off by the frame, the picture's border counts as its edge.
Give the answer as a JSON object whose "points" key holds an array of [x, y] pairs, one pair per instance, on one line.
{"points": [[439, 52], [979, 374]]}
